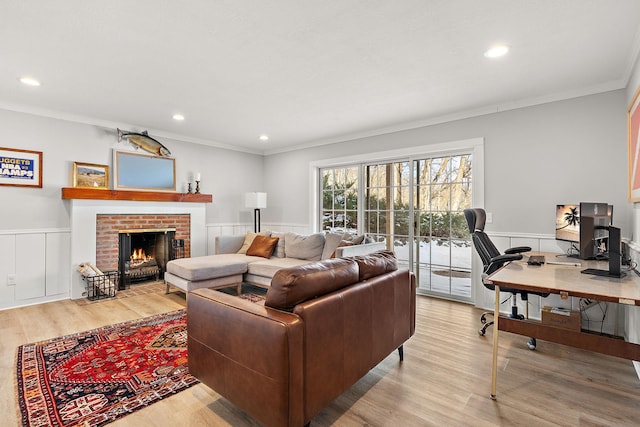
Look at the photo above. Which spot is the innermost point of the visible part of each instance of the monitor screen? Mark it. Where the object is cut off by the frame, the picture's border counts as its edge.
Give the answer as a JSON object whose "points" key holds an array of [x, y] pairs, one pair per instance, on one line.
{"points": [[568, 223]]}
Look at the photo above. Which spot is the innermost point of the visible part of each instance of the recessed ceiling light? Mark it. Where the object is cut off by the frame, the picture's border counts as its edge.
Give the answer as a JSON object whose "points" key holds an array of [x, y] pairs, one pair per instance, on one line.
{"points": [[497, 51], [29, 81], [264, 137], [178, 117]]}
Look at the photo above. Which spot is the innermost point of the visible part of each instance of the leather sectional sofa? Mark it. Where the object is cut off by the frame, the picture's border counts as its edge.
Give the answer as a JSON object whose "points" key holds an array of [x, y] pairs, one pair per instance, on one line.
{"points": [[322, 327]]}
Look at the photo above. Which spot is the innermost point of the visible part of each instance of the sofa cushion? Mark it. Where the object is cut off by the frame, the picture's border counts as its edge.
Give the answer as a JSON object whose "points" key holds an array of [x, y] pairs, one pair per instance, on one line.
{"points": [[304, 247], [375, 264], [248, 240], [269, 267], [262, 246], [331, 242], [209, 267], [291, 286]]}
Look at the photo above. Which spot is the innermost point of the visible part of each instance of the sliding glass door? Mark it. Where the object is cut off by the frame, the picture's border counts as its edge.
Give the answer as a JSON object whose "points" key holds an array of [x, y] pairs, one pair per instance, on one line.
{"points": [[442, 243], [414, 206]]}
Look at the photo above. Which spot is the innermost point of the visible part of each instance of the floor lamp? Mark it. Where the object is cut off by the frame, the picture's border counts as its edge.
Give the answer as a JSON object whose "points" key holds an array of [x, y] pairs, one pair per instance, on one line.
{"points": [[256, 201]]}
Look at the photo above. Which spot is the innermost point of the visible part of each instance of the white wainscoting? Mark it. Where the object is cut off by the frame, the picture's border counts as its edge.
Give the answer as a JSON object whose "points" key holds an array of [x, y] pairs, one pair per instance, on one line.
{"points": [[39, 261]]}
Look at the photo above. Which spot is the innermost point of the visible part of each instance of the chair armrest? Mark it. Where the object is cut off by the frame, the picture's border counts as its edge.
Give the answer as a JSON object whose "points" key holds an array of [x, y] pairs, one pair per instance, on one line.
{"points": [[227, 244], [501, 259], [517, 250]]}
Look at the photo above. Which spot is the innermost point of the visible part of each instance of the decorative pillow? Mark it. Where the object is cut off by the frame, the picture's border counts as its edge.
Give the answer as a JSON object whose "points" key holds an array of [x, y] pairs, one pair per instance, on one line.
{"points": [[262, 246], [340, 245], [331, 242], [248, 239], [356, 239], [279, 252], [304, 247]]}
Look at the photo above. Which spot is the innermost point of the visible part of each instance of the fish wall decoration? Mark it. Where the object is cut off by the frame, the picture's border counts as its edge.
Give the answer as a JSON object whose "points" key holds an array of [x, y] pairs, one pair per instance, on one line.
{"points": [[144, 141]]}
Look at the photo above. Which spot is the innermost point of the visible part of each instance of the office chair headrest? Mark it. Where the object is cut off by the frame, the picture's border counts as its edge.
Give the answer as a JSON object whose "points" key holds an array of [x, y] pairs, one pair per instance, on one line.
{"points": [[476, 219]]}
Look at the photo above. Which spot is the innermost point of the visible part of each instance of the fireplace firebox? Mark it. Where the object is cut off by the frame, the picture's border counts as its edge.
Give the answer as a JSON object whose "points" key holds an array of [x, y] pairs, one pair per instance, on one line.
{"points": [[143, 254]]}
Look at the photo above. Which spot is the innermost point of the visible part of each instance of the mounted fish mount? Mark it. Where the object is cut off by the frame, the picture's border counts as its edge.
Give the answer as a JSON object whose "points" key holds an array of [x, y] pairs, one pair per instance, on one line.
{"points": [[145, 142]]}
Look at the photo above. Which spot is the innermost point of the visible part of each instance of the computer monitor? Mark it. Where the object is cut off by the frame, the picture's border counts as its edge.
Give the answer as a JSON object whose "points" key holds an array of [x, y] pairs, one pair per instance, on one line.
{"points": [[582, 225], [568, 223]]}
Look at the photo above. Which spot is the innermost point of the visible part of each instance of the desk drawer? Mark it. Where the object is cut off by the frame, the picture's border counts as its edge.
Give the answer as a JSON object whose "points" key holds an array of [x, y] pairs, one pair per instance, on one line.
{"points": [[567, 321]]}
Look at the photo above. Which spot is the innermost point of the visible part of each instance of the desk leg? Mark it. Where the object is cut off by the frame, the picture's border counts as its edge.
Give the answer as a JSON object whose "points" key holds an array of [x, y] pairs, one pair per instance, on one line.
{"points": [[494, 367]]}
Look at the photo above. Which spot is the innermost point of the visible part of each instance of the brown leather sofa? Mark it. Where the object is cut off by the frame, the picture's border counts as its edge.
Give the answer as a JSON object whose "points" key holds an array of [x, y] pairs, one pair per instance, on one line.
{"points": [[323, 326]]}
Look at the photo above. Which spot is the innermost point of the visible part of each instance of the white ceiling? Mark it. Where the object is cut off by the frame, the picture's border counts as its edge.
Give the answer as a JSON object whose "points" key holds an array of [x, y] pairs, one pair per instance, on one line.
{"points": [[305, 72]]}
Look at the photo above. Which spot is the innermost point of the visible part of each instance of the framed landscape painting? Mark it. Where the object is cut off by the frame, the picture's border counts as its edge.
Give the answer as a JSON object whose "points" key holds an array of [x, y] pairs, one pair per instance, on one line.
{"points": [[89, 175], [21, 168], [633, 120]]}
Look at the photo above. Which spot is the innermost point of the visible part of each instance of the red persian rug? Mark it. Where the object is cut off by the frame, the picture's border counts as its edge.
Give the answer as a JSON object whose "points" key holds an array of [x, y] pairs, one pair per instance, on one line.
{"points": [[95, 377]]}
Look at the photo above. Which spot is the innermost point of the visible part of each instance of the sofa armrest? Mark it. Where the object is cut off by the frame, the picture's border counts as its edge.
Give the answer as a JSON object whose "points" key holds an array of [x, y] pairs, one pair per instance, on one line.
{"points": [[227, 244], [356, 250], [247, 353]]}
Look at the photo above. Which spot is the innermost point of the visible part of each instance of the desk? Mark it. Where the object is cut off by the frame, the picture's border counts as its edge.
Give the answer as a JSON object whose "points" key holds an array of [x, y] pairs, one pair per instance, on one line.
{"points": [[568, 282]]}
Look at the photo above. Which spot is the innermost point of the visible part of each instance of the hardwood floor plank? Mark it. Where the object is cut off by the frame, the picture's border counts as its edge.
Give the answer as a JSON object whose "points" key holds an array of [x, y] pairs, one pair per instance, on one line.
{"points": [[444, 379]]}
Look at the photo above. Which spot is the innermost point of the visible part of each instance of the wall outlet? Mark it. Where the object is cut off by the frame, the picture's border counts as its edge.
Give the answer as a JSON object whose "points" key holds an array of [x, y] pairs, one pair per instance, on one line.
{"points": [[11, 279], [489, 218]]}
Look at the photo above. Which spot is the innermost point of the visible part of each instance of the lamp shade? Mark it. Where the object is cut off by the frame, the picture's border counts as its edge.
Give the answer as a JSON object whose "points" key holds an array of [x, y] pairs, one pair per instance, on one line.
{"points": [[255, 200]]}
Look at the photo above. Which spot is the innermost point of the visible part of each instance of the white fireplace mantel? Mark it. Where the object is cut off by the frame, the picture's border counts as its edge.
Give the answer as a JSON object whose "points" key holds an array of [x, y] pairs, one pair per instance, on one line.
{"points": [[83, 228]]}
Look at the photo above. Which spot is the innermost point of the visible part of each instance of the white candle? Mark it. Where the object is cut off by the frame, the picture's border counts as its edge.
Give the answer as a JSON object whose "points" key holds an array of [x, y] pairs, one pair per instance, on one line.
{"points": [[198, 176]]}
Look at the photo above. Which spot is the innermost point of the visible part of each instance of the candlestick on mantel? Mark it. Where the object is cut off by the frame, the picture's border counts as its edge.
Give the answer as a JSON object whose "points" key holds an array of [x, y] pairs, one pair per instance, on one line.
{"points": [[198, 176]]}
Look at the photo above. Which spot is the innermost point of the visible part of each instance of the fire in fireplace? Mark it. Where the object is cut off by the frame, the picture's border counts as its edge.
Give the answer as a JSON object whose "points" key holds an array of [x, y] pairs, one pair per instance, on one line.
{"points": [[143, 254]]}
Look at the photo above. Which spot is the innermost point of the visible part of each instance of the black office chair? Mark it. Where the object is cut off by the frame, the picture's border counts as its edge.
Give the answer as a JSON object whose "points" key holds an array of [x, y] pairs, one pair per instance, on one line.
{"points": [[492, 260]]}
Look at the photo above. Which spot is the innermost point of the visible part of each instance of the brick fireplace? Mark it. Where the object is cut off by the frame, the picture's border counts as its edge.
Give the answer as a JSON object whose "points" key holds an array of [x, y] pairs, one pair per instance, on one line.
{"points": [[108, 228], [171, 214]]}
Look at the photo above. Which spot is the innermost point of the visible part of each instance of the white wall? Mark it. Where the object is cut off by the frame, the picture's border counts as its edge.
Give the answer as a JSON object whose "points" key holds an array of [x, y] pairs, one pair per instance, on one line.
{"points": [[535, 158], [226, 174], [42, 217]]}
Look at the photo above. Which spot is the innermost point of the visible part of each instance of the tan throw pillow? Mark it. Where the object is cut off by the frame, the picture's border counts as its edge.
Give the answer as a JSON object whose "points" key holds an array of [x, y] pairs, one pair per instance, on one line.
{"points": [[262, 246], [248, 239], [279, 252], [356, 239], [331, 242]]}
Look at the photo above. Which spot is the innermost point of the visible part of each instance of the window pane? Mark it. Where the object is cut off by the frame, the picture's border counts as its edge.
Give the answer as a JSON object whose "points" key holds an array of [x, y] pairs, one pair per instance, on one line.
{"points": [[351, 221]]}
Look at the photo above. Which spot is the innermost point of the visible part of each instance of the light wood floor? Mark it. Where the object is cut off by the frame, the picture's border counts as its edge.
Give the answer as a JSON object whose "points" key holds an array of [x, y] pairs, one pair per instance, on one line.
{"points": [[443, 381]]}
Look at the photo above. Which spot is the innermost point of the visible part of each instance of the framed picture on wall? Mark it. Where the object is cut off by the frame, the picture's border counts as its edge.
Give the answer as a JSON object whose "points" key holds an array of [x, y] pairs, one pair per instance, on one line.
{"points": [[633, 120], [134, 171], [89, 175], [22, 168]]}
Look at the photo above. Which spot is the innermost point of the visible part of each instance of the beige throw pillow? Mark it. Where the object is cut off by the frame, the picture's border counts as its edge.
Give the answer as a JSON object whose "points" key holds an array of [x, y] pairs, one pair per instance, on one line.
{"points": [[304, 247], [279, 252], [248, 240], [331, 242]]}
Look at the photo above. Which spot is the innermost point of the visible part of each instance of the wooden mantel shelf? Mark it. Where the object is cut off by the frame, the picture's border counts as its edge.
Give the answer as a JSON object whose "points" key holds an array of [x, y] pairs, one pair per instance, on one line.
{"points": [[141, 196]]}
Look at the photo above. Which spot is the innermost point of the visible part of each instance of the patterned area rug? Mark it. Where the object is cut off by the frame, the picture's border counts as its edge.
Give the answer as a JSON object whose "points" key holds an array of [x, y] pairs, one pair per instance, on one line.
{"points": [[94, 377]]}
